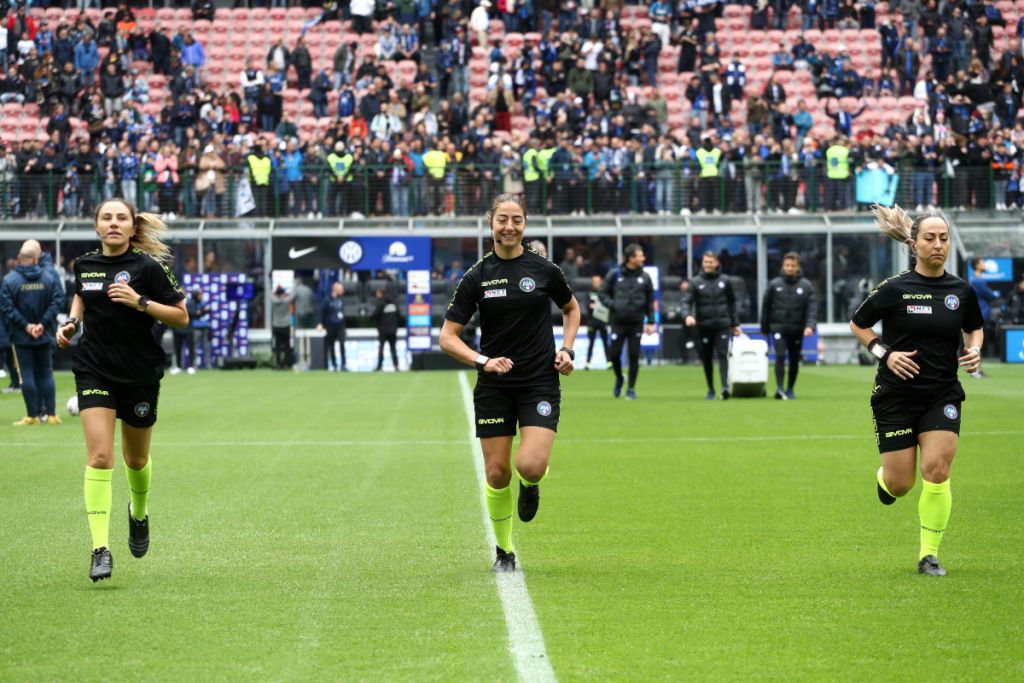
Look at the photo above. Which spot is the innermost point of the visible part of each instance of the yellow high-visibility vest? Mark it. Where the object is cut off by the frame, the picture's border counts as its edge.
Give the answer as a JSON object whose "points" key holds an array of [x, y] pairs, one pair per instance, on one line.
{"points": [[837, 159], [708, 159], [260, 169]]}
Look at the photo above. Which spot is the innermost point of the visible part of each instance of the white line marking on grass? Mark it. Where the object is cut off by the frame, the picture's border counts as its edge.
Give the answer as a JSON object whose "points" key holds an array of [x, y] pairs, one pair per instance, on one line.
{"points": [[525, 640], [866, 436]]}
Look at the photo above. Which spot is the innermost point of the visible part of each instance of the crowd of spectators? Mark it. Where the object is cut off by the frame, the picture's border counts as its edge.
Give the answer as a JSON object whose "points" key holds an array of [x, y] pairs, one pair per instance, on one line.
{"points": [[574, 115]]}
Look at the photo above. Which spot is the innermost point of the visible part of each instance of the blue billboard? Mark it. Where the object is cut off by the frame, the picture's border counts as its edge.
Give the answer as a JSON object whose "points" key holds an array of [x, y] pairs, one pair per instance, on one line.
{"points": [[1013, 343], [357, 253], [998, 270]]}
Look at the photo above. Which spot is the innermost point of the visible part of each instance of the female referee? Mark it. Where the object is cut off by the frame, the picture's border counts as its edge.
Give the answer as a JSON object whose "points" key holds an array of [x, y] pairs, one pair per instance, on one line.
{"points": [[926, 314], [517, 380], [121, 290]]}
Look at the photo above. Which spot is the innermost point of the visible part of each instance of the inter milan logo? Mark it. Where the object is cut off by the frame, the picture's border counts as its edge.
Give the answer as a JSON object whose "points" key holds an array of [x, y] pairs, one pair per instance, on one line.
{"points": [[527, 284], [544, 408], [122, 278], [952, 302], [141, 409], [950, 411]]}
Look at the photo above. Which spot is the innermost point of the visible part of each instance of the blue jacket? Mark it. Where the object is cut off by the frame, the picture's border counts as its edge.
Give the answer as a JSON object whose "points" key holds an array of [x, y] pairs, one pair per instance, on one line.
{"points": [[87, 58], [985, 296], [30, 295]]}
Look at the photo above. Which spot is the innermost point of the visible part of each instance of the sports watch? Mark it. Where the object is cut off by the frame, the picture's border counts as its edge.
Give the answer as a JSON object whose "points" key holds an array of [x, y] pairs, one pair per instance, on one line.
{"points": [[480, 362], [569, 352], [143, 302]]}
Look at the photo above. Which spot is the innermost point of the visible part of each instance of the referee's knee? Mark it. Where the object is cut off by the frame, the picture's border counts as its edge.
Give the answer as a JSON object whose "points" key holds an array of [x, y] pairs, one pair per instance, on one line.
{"points": [[498, 475], [935, 471]]}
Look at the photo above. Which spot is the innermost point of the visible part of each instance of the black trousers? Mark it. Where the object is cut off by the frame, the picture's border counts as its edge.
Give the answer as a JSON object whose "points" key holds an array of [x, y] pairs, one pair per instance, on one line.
{"points": [[182, 340], [593, 330], [791, 345], [626, 335], [715, 342], [282, 337], [335, 333], [388, 338]]}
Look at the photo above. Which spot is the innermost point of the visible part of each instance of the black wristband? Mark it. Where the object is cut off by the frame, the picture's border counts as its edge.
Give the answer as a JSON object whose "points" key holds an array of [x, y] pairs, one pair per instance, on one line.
{"points": [[569, 352], [879, 350]]}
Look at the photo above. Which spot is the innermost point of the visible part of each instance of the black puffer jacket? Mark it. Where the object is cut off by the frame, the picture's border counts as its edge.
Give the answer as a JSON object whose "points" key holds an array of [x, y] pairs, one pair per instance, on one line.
{"points": [[790, 304], [712, 301], [629, 294]]}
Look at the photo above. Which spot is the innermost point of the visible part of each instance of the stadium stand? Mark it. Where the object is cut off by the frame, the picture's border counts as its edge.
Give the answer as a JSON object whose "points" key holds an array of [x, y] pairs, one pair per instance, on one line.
{"points": [[659, 108]]}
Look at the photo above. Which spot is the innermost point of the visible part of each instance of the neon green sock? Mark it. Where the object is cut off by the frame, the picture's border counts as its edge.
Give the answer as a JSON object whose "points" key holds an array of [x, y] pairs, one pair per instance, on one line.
{"points": [[97, 504], [499, 509], [534, 483], [933, 508], [138, 483], [881, 482]]}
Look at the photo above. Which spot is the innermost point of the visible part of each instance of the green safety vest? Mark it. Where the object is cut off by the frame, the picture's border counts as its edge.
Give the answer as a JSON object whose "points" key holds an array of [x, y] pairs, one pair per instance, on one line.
{"points": [[544, 161], [435, 162], [530, 172], [708, 160], [339, 165], [260, 169], [837, 158]]}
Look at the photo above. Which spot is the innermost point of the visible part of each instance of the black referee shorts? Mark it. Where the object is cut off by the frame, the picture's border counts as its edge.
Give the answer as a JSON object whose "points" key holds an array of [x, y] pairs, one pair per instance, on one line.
{"points": [[498, 410], [899, 418], [135, 403]]}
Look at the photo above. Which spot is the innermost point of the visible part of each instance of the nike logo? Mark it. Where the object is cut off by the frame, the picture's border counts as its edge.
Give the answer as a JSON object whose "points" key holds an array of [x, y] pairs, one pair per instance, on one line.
{"points": [[294, 253]]}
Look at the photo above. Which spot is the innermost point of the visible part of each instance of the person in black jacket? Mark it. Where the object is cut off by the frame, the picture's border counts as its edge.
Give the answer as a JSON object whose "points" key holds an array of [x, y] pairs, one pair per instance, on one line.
{"points": [[386, 316], [787, 316], [30, 298], [332, 319], [710, 306], [629, 293]]}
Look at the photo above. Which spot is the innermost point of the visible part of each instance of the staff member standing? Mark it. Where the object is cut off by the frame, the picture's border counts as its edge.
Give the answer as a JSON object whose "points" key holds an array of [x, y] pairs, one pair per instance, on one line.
{"points": [[332, 319], [595, 326], [926, 314], [30, 299], [386, 314], [121, 290], [985, 298], [518, 369], [629, 293], [710, 306], [788, 315]]}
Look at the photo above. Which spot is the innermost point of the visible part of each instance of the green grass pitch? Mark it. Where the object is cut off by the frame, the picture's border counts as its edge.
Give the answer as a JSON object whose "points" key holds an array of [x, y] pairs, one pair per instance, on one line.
{"points": [[324, 527]]}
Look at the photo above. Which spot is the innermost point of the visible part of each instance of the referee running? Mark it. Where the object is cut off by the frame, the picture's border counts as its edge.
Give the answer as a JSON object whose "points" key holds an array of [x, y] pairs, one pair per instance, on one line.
{"points": [[926, 315], [121, 290], [518, 369]]}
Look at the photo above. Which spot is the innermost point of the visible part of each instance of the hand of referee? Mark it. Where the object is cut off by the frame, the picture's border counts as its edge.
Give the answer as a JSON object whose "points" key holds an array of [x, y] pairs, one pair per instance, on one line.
{"points": [[902, 364], [498, 366], [971, 360], [563, 364], [123, 294], [64, 334]]}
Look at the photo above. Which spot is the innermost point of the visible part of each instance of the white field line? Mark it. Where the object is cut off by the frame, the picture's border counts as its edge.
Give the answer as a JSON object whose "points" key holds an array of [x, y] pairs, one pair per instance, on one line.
{"points": [[525, 640], [866, 436]]}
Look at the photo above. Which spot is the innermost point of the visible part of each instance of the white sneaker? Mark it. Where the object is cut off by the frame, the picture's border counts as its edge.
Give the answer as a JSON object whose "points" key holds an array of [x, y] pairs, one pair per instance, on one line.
{"points": [[309, 216], [3, 373], [918, 208], [319, 215], [684, 211], [357, 216], [191, 371], [172, 216], [175, 371], [794, 211]]}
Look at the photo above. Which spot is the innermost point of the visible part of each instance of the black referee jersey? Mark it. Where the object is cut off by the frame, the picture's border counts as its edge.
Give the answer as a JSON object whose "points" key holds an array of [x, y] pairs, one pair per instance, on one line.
{"points": [[118, 343], [926, 314], [515, 316]]}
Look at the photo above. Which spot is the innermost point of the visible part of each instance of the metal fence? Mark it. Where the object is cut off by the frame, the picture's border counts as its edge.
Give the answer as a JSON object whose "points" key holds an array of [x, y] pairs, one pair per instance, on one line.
{"points": [[466, 190]]}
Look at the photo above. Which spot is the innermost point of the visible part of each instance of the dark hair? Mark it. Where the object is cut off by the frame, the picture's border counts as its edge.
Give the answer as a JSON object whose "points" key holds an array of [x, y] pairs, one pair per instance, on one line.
{"points": [[976, 261], [791, 256], [711, 254], [630, 250], [514, 197]]}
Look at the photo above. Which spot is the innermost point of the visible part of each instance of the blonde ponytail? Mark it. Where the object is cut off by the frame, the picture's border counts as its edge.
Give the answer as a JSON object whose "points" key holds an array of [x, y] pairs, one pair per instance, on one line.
{"points": [[149, 234], [894, 222]]}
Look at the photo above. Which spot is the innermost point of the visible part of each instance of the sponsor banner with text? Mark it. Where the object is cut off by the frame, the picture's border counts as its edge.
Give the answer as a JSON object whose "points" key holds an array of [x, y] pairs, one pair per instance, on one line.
{"points": [[356, 253]]}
